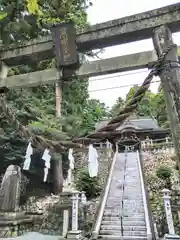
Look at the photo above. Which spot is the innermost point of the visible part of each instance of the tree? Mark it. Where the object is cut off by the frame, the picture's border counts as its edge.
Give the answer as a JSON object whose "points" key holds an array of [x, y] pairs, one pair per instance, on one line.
{"points": [[36, 106], [153, 105], [117, 106], [94, 112], [159, 107], [145, 106], [24, 20]]}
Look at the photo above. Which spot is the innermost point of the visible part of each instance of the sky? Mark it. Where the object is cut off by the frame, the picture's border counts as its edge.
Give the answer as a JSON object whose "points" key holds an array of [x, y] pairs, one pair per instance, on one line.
{"points": [[105, 10]]}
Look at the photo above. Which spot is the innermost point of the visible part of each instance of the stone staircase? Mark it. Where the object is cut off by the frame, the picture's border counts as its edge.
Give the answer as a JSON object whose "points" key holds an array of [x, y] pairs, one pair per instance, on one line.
{"points": [[124, 212]]}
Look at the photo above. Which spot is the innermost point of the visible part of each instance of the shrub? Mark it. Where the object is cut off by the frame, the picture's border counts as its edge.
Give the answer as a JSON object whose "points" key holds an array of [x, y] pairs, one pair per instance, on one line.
{"points": [[163, 172], [87, 184]]}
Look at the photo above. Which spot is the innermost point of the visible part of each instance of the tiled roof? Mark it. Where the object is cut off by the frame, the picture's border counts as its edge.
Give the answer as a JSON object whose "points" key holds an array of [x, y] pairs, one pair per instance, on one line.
{"points": [[138, 123]]}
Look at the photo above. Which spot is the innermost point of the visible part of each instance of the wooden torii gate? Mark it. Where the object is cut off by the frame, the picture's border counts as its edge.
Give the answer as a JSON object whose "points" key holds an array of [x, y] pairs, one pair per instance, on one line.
{"points": [[124, 30]]}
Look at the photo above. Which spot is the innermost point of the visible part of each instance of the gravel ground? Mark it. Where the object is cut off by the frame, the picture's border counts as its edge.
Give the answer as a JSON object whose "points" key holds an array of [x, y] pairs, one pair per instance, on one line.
{"points": [[35, 236]]}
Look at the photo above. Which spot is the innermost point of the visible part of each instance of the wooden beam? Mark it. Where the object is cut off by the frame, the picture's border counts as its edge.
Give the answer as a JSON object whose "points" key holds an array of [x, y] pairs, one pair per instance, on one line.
{"points": [[119, 31], [95, 68]]}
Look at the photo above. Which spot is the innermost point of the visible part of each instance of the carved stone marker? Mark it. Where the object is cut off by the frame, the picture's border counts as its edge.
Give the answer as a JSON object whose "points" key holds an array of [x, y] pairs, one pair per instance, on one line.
{"points": [[10, 189]]}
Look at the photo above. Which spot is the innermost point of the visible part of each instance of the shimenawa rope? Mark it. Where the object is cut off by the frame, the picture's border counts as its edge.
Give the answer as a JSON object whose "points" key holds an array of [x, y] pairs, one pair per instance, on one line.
{"points": [[59, 146]]}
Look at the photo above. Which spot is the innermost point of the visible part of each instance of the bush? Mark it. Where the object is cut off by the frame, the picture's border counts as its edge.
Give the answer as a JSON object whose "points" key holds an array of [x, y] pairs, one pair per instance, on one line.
{"points": [[87, 184], [164, 173]]}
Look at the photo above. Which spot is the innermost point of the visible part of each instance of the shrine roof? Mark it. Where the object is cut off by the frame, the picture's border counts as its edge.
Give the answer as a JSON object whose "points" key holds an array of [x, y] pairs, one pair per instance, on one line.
{"points": [[137, 123]]}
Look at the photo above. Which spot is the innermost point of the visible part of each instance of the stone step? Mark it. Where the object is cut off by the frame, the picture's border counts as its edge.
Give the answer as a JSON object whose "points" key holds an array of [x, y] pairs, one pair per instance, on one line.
{"points": [[130, 209], [125, 227], [130, 202], [125, 212], [128, 213], [112, 237], [130, 219], [109, 237], [128, 197], [131, 198], [134, 190], [119, 199], [125, 233], [125, 222], [126, 191]]}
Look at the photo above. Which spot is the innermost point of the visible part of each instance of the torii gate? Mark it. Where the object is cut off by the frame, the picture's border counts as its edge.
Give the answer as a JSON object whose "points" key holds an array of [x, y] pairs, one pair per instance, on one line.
{"points": [[124, 30]]}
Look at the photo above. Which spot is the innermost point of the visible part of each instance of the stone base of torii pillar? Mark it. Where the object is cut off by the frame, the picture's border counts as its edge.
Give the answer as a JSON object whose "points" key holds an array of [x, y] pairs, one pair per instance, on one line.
{"points": [[171, 237]]}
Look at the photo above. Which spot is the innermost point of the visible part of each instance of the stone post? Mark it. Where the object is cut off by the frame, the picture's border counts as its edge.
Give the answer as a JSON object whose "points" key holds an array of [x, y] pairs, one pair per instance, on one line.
{"points": [[83, 198], [143, 145], [167, 205], [75, 205], [65, 222], [148, 143], [75, 233], [68, 185], [83, 202]]}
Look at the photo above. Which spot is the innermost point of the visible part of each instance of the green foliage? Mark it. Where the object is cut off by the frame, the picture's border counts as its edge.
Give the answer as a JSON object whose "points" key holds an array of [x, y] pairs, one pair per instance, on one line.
{"points": [[36, 107], [153, 105], [159, 107], [87, 184], [26, 19], [163, 172], [117, 106], [145, 107], [94, 112]]}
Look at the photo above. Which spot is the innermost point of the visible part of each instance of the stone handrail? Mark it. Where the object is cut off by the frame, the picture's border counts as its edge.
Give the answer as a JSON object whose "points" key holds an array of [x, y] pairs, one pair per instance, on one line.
{"points": [[149, 224], [97, 225]]}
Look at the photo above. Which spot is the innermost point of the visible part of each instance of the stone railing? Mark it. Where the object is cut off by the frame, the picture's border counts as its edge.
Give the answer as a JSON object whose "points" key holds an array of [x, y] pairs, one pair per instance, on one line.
{"points": [[157, 146], [147, 208], [100, 211]]}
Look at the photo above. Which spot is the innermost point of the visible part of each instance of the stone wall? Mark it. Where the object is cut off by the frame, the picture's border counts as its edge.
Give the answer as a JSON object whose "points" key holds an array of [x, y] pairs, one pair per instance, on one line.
{"points": [[104, 159], [50, 212], [152, 161], [45, 216]]}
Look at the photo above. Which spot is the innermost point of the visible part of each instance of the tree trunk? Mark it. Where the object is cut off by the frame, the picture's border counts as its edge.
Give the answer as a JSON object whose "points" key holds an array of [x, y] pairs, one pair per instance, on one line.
{"points": [[57, 171], [57, 174]]}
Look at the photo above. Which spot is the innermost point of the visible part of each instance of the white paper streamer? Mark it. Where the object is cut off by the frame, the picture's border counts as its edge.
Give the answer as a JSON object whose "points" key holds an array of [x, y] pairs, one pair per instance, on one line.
{"points": [[92, 161], [46, 157], [71, 159], [27, 162]]}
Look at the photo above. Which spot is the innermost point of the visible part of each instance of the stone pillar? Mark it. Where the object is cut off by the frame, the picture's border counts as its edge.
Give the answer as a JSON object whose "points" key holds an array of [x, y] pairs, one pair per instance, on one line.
{"points": [[143, 145], [171, 237], [75, 206], [83, 197], [65, 222], [68, 185], [148, 142], [83, 212], [116, 146], [65, 202], [167, 205], [74, 233]]}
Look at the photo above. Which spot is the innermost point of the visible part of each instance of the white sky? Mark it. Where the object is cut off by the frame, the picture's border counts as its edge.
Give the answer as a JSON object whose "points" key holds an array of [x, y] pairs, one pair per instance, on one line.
{"points": [[104, 10]]}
